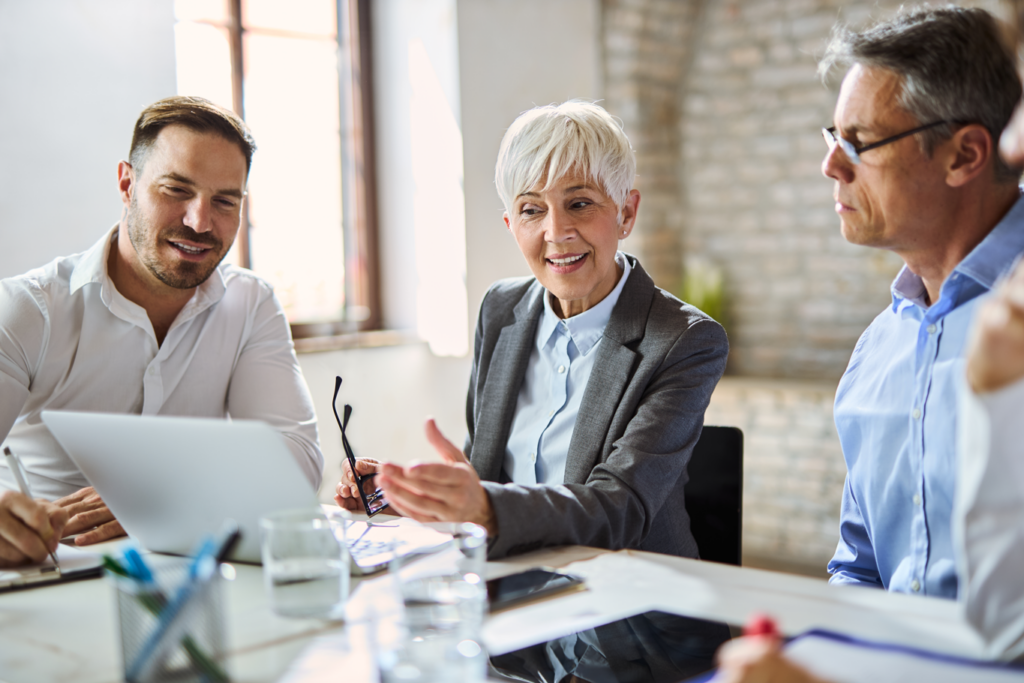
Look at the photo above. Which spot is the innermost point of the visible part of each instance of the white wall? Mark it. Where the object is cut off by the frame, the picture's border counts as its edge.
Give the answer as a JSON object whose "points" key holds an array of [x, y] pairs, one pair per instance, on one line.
{"points": [[74, 75], [397, 24], [392, 391], [514, 56]]}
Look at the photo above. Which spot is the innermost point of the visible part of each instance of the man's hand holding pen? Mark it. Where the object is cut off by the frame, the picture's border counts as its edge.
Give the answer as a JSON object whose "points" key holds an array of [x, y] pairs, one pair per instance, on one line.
{"points": [[29, 529]]}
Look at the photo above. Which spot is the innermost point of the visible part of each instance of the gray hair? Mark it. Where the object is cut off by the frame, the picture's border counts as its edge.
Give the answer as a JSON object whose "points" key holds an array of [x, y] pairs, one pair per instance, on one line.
{"points": [[558, 139], [953, 63]]}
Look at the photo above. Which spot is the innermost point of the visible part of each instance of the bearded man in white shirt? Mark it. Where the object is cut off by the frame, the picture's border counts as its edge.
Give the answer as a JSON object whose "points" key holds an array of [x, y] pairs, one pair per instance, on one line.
{"points": [[148, 321]]}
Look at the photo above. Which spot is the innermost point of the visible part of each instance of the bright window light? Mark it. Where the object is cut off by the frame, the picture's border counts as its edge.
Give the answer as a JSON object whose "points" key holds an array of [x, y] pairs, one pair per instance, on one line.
{"points": [[439, 209], [290, 88]]}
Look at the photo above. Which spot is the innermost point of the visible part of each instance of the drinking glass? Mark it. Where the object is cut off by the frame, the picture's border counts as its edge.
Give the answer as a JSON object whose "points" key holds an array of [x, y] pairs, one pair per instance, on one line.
{"points": [[444, 598], [305, 562]]}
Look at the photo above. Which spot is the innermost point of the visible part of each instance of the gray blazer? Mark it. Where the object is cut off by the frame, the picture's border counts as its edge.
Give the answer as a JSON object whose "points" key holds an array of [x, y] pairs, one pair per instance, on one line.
{"points": [[642, 413]]}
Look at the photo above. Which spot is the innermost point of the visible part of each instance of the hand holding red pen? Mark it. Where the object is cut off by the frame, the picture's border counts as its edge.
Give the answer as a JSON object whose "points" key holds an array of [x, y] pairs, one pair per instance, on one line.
{"points": [[757, 657]]}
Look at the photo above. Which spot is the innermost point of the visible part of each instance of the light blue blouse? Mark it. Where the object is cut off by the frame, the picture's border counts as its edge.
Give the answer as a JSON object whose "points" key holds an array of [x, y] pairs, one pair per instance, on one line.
{"points": [[556, 377]]}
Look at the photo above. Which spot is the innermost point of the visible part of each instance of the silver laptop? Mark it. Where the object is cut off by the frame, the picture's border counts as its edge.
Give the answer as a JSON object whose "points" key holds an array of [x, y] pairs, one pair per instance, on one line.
{"points": [[172, 480]]}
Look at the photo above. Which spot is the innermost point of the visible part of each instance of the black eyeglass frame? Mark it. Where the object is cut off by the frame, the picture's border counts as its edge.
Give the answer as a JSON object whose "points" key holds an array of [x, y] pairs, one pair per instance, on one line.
{"points": [[374, 502], [853, 152]]}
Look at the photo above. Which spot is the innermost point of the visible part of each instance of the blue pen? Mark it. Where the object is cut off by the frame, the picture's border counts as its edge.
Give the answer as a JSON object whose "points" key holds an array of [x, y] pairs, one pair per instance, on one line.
{"points": [[166, 633], [171, 626], [137, 567], [154, 600]]}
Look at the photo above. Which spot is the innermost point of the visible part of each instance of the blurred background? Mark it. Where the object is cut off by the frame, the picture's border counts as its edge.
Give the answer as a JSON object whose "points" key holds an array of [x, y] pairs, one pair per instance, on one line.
{"points": [[372, 206]]}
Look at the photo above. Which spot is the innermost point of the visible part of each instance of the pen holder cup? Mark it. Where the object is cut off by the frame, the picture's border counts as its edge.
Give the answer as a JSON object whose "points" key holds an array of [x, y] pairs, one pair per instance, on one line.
{"points": [[192, 649]]}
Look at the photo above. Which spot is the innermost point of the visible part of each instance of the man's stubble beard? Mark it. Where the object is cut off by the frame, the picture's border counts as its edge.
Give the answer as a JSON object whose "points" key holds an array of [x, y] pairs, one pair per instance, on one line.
{"points": [[184, 275]]}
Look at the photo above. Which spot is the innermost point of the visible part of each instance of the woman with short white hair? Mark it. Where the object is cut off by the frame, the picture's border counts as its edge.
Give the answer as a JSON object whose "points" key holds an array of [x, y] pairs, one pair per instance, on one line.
{"points": [[589, 383]]}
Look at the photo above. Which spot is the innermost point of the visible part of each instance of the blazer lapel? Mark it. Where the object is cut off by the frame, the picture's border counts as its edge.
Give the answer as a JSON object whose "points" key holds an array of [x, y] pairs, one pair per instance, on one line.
{"points": [[497, 403], [612, 372]]}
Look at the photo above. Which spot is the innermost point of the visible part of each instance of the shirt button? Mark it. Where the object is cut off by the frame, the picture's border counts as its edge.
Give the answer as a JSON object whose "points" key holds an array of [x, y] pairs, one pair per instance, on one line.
{"points": [[917, 499], [152, 371], [931, 328], [915, 585], [561, 369], [916, 413], [550, 413], [533, 457]]}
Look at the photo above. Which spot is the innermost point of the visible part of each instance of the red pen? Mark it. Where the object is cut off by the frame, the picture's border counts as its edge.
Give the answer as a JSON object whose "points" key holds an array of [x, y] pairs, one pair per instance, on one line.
{"points": [[761, 625]]}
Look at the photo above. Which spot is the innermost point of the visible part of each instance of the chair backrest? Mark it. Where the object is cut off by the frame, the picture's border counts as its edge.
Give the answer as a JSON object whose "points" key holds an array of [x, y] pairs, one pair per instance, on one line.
{"points": [[714, 494]]}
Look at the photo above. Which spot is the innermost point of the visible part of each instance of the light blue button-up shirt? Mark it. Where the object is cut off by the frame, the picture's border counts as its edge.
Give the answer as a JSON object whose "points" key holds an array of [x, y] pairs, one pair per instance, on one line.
{"points": [[556, 376], [895, 412]]}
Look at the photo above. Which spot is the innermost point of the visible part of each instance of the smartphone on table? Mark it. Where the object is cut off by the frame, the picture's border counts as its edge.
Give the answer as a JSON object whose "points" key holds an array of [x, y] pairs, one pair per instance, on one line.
{"points": [[532, 584]]}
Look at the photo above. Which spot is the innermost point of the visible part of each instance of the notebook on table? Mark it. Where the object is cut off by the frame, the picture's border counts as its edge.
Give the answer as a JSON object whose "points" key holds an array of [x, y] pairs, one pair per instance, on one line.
{"points": [[74, 564]]}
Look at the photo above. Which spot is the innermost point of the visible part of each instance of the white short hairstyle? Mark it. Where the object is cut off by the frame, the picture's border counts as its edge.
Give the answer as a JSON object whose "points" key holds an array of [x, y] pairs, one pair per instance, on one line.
{"points": [[558, 139]]}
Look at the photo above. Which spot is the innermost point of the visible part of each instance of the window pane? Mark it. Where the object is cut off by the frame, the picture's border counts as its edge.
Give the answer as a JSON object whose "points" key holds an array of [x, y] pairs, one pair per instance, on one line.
{"points": [[203, 56], [302, 16], [291, 104], [204, 62], [201, 10]]}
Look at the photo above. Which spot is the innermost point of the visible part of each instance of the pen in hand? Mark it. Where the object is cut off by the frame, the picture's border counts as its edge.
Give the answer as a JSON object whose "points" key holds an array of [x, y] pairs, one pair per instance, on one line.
{"points": [[19, 475]]}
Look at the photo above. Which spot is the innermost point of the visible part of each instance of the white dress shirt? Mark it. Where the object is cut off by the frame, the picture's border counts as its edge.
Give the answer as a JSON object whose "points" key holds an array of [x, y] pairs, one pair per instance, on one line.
{"points": [[70, 341], [556, 377], [988, 519]]}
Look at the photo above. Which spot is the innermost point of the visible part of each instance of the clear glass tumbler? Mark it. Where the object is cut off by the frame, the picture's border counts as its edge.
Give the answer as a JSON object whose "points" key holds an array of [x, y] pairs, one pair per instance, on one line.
{"points": [[305, 562], [444, 598]]}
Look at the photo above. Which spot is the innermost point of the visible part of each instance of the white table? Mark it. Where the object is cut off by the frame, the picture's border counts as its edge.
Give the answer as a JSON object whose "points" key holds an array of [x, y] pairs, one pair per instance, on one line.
{"points": [[69, 632]]}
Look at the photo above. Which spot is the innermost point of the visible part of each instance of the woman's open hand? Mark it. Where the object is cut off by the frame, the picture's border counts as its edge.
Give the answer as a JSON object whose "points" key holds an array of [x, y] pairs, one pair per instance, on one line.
{"points": [[448, 491]]}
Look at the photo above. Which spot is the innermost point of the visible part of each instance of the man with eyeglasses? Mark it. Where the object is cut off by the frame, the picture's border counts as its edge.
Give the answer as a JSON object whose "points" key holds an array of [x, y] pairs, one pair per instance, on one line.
{"points": [[913, 156], [950, 207]]}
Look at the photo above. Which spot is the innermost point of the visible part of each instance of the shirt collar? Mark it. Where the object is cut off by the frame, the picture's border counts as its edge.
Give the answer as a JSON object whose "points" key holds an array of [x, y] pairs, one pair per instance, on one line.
{"points": [[993, 257], [92, 268], [586, 328]]}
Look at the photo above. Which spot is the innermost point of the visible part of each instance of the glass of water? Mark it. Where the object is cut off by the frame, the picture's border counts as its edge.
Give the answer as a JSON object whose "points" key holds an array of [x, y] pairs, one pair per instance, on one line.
{"points": [[444, 598], [305, 562]]}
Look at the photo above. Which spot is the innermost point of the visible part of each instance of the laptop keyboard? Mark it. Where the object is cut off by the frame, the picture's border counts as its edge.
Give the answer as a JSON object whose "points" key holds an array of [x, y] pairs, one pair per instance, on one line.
{"points": [[373, 546], [366, 548]]}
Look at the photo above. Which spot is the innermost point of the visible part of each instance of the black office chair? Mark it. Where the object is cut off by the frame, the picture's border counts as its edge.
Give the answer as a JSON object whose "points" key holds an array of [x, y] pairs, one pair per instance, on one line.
{"points": [[714, 494]]}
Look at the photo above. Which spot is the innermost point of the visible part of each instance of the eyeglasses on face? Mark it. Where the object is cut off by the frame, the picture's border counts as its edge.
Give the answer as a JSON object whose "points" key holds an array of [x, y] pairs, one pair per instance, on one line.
{"points": [[853, 152]]}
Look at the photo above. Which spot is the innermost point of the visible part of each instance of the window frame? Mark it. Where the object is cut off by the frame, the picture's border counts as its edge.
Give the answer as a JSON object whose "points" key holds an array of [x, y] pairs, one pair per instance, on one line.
{"points": [[362, 304]]}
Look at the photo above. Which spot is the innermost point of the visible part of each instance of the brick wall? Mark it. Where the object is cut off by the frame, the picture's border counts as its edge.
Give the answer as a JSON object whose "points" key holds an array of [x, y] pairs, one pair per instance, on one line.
{"points": [[798, 295], [793, 468], [648, 47], [723, 104], [725, 108]]}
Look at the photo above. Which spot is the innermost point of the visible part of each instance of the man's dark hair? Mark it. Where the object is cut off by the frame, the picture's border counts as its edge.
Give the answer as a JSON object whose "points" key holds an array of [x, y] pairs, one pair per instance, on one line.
{"points": [[195, 113], [954, 64]]}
